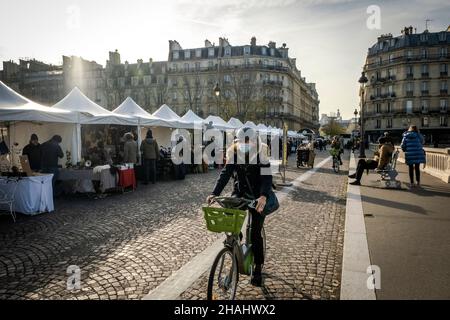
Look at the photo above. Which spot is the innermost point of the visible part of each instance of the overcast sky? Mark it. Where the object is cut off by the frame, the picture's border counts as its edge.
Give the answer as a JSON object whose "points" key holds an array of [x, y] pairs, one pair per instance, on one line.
{"points": [[329, 38]]}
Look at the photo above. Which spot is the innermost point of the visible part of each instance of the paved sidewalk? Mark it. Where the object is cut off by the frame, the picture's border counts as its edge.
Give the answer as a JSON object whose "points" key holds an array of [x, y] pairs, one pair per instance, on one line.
{"points": [[408, 236]]}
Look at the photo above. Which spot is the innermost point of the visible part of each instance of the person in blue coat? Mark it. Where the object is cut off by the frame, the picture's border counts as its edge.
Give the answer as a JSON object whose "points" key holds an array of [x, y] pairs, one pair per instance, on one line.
{"points": [[412, 145]]}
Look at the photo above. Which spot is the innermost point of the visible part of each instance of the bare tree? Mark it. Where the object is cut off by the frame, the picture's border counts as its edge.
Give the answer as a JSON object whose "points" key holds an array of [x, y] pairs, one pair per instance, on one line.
{"points": [[245, 98], [192, 91], [157, 94]]}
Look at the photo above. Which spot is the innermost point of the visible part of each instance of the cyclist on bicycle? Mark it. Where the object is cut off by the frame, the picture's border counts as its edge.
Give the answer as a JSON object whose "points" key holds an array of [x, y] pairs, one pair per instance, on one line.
{"points": [[247, 161], [336, 148]]}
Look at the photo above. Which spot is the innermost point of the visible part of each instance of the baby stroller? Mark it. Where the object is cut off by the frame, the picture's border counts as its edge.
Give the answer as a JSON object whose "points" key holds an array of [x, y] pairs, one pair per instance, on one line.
{"points": [[302, 157]]}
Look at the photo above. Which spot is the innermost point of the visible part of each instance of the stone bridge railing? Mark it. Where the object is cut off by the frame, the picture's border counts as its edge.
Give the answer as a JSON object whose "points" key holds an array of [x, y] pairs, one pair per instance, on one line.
{"points": [[438, 161]]}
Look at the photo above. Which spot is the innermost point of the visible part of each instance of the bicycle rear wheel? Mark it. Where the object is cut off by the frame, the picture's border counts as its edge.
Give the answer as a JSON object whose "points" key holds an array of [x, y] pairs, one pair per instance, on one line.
{"points": [[223, 277]]}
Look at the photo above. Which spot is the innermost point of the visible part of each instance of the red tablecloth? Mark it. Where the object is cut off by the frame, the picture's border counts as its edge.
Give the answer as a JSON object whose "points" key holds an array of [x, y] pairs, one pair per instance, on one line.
{"points": [[127, 178]]}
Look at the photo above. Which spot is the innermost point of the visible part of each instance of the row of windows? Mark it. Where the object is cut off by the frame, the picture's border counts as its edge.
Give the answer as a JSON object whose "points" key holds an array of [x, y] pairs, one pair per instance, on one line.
{"points": [[424, 68], [211, 52], [197, 66], [443, 105], [424, 53], [409, 88], [425, 122]]}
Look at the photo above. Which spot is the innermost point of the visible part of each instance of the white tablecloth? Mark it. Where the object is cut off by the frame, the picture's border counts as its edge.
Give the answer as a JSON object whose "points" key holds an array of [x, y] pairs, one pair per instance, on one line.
{"points": [[33, 194]]}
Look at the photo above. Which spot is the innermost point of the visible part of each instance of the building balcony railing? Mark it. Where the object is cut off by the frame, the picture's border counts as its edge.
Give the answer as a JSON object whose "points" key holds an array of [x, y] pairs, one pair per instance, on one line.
{"points": [[425, 92], [383, 79], [425, 74], [273, 82], [444, 92], [409, 76], [383, 96], [273, 99], [229, 67], [409, 94], [444, 73]]}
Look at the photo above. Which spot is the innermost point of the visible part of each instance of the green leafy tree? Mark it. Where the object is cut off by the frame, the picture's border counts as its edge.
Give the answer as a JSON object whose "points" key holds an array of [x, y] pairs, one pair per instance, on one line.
{"points": [[333, 128]]}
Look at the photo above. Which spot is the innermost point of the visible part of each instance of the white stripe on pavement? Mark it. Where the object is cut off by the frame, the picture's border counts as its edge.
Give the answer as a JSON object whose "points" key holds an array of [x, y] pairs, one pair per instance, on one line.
{"points": [[172, 287], [356, 259]]}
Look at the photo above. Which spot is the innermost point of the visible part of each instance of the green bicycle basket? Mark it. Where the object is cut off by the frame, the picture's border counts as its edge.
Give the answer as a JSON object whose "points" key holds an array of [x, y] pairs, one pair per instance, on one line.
{"points": [[224, 219]]}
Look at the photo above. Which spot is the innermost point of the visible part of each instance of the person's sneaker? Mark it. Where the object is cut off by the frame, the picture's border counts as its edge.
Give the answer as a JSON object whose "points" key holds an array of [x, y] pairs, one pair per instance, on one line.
{"points": [[411, 185], [352, 176], [355, 183]]}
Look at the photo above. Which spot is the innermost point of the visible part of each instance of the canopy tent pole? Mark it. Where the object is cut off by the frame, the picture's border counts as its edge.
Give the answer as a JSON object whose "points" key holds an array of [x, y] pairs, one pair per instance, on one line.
{"points": [[139, 139], [78, 130]]}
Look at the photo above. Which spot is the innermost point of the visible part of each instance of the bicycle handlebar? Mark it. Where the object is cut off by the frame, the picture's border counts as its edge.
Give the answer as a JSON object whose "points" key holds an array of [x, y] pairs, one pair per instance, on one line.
{"points": [[232, 202]]}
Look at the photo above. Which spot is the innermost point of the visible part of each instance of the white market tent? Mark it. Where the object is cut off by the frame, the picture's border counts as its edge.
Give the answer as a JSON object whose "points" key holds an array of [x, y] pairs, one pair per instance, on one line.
{"points": [[130, 108], [262, 128], [27, 117], [85, 111], [163, 135], [15, 107], [88, 112], [235, 123], [191, 117], [218, 123], [250, 124]]}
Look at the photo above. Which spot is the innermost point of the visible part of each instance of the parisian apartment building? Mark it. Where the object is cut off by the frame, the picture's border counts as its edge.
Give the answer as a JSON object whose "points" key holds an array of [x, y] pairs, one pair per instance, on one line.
{"points": [[408, 85], [251, 82]]}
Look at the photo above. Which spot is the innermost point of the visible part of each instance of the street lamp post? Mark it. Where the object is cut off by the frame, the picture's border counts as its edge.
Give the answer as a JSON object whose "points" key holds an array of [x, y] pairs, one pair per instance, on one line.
{"points": [[362, 148], [217, 93]]}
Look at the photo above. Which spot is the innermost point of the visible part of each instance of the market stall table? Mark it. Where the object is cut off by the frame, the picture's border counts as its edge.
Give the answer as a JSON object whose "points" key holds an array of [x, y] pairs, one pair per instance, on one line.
{"points": [[77, 180], [127, 178], [33, 195]]}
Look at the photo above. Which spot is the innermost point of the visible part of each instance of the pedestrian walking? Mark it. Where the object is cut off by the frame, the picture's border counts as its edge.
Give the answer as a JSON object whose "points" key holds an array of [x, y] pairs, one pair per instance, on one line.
{"points": [[412, 146]]}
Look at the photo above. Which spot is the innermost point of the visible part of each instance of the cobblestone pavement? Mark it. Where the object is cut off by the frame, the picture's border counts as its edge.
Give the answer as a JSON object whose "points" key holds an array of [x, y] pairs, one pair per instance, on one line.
{"points": [[126, 245], [304, 242]]}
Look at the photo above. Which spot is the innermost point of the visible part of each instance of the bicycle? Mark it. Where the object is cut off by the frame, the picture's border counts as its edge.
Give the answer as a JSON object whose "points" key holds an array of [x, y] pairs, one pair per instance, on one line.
{"points": [[236, 257], [336, 162]]}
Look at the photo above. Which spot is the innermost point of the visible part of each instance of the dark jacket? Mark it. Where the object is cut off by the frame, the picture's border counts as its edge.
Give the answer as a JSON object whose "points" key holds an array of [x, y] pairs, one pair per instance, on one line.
{"points": [[50, 152], [412, 145], [254, 186], [150, 149], [34, 155]]}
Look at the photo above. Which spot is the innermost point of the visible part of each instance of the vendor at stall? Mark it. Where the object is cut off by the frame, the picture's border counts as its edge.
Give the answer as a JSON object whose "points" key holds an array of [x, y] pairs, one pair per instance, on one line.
{"points": [[33, 151]]}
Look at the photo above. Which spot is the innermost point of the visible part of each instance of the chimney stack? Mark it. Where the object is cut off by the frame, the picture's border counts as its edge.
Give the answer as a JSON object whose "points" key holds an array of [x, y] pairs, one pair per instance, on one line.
{"points": [[253, 41]]}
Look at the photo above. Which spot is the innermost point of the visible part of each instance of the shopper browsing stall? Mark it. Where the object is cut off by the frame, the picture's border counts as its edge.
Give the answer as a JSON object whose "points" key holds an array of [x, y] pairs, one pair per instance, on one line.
{"points": [[150, 153], [33, 151]]}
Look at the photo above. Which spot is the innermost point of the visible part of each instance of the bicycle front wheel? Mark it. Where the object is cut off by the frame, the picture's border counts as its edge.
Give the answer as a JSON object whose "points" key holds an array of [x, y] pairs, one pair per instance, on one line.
{"points": [[336, 166], [224, 276]]}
